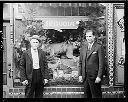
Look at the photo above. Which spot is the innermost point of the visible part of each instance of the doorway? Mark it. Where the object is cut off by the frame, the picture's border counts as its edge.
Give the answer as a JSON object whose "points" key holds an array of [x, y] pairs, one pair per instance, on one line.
{"points": [[7, 66]]}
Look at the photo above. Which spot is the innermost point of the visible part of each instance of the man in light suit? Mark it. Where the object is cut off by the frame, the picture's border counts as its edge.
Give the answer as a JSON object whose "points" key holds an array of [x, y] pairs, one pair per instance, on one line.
{"points": [[34, 69], [91, 66]]}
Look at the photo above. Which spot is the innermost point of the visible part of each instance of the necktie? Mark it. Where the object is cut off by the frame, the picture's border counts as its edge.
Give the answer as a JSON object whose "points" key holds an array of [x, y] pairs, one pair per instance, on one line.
{"points": [[89, 47]]}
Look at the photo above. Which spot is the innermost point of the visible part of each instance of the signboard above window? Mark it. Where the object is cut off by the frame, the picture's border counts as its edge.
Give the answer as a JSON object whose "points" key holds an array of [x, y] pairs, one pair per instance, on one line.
{"points": [[61, 22]]}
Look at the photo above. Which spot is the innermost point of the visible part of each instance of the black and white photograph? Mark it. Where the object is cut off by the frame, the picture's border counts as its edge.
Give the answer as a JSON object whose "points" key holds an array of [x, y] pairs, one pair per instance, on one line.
{"points": [[63, 50]]}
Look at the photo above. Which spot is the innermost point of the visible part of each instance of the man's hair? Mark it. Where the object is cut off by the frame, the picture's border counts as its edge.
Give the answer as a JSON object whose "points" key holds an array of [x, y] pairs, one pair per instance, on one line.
{"points": [[90, 30], [93, 33]]}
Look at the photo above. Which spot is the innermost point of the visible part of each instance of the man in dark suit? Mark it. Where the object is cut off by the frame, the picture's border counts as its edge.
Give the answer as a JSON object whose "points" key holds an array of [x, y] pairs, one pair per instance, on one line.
{"points": [[34, 69], [91, 66]]}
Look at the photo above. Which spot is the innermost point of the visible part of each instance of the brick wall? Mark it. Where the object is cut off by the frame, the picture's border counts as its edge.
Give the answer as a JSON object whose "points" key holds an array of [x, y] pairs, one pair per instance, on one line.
{"points": [[63, 92], [69, 92]]}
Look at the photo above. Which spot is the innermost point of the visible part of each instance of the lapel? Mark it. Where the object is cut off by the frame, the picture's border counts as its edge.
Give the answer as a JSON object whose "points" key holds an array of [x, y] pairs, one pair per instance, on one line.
{"points": [[29, 54], [84, 50], [92, 49]]}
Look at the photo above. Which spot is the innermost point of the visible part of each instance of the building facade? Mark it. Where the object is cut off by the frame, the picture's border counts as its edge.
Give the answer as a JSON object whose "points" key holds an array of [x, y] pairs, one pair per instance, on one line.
{"points": [[62, 18]]}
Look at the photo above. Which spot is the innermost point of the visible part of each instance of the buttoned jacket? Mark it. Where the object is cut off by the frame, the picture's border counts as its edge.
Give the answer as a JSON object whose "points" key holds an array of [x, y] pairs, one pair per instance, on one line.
{"points": [[93, 62]]}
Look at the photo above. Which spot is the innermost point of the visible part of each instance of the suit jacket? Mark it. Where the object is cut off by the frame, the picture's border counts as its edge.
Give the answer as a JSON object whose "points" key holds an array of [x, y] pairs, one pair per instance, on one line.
{"points": [[93, 63], [26, 65]]}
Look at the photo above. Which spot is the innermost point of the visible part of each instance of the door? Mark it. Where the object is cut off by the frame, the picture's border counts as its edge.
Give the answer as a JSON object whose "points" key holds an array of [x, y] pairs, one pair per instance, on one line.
{"points": [[7, 72]]}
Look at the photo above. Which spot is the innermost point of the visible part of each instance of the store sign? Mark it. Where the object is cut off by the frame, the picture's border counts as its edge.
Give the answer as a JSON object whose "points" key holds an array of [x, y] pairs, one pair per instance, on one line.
{"points": [[61, 22]]}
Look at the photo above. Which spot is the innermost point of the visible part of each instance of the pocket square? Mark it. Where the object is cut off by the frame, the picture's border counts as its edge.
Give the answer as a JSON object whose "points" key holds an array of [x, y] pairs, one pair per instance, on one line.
{"points": [[94, 52]]}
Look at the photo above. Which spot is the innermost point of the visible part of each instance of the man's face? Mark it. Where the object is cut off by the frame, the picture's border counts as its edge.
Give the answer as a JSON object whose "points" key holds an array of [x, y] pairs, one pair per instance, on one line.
{"points": [[90, 37], [34, 43]]}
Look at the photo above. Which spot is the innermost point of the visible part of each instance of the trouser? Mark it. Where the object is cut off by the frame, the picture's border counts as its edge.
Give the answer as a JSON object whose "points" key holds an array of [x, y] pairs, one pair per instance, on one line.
{"points": [[92, 89], [35, 88]]}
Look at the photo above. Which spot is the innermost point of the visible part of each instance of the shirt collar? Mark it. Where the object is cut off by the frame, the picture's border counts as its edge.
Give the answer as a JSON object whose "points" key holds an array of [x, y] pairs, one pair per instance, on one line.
{"points": [[91, 43]]}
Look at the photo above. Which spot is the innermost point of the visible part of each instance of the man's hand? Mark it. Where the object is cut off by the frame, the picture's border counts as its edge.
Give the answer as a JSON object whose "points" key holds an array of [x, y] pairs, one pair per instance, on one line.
{"points": [[25, 82], [80, 78], [45, 81], [97, 80]]}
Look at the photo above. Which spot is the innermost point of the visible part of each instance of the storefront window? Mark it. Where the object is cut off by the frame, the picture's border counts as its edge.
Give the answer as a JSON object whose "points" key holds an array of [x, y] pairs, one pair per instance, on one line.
{"points": [[62, 49], [61, 44]]}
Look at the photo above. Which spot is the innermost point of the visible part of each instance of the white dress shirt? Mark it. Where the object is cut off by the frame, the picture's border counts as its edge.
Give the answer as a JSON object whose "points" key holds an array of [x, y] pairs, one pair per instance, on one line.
{"points": [[35, 59]]}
